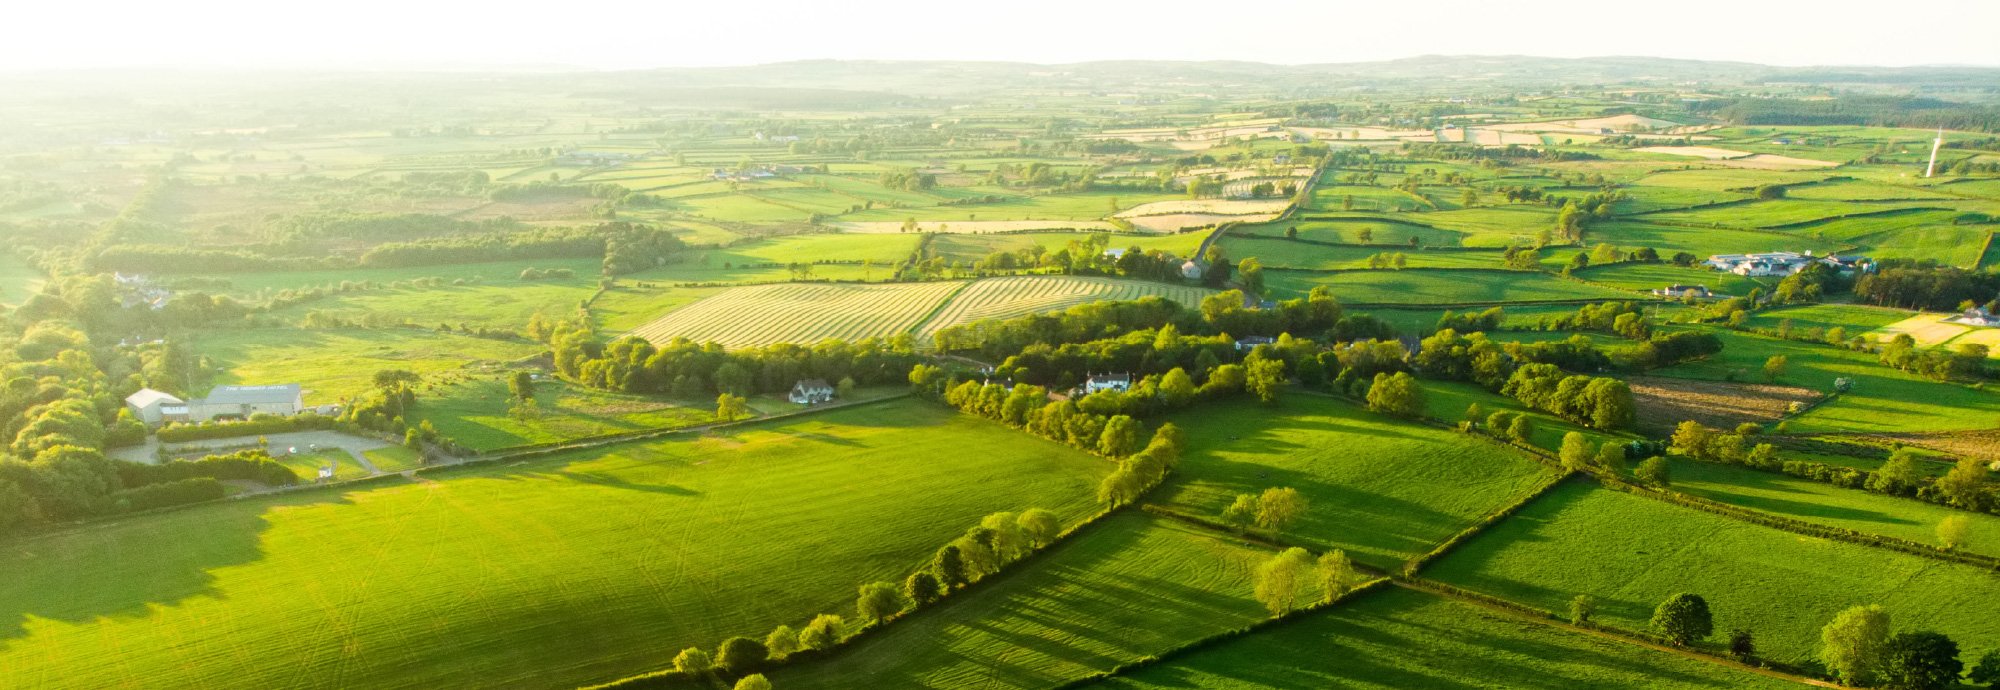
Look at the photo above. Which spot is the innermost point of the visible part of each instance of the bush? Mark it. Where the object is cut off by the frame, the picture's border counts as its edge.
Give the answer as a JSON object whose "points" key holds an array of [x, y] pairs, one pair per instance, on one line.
{"points": [[174, 493]]}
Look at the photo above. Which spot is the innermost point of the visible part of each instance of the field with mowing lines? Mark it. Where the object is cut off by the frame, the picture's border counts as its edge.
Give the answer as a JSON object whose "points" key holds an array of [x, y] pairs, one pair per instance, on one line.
{"points": [[1632, 553], [970, 247], [602, 561], [1008, 297], [884, 250], [1383, 490], [1393, 234], [1766, 214], [1399, 638], [802, 313], [1826, 504], [1280, 253], [1131, 587], [336, 365], [1701, 242], [1437, 286]]}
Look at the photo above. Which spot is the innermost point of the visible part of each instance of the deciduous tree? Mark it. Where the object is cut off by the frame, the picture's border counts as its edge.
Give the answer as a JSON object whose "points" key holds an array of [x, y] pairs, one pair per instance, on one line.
{"points": [[1683, 618]]}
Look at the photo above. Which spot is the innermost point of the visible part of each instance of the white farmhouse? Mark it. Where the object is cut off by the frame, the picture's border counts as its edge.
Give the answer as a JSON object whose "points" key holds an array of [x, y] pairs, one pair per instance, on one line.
{"points": [[1107, 382]]}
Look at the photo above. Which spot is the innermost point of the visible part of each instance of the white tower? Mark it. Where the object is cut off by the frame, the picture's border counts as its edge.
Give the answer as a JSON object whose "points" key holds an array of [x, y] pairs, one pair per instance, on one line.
{"points": [[1935, 145]]}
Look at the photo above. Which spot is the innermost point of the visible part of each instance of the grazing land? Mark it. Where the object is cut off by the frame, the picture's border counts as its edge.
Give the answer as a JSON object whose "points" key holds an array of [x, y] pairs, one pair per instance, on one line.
{"points": [[1853, 509], [1439, 286]]}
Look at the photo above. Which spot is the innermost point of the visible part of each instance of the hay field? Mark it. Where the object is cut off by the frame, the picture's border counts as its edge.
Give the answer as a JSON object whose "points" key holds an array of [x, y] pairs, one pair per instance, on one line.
{"points": [[1002, 298], [878, 227], [1708, 152], [800, 313], [1226, 207], [1926, 329]]}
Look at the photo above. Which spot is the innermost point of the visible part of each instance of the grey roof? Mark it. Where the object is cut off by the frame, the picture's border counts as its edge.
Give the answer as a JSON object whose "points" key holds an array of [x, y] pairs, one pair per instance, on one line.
{"points": [[251, 395], [147, 396]]}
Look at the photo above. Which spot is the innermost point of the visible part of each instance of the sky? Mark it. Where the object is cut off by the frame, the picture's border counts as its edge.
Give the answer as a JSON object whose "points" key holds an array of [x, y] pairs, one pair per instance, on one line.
{"points": [[639, 34]]}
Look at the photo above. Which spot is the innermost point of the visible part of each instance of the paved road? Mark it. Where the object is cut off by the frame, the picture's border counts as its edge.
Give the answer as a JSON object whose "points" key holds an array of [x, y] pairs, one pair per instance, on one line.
{"points": [[280, 443]]}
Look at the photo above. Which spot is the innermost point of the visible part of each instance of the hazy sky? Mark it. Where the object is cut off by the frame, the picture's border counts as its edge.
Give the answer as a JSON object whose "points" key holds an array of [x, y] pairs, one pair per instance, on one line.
{"points": [[625, 34]]}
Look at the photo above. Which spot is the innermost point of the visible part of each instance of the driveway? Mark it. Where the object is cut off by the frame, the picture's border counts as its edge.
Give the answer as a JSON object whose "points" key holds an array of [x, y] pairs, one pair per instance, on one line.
{"points": [[280, 445]]}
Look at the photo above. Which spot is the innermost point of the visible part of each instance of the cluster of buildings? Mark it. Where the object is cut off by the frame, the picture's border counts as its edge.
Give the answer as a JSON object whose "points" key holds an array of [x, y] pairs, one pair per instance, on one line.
{"points": [[134, 290], [225, 402], [1785, 263], [759, 172]]}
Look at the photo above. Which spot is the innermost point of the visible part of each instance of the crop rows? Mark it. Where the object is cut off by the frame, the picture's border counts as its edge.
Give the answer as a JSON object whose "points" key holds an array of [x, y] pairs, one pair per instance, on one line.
{"points": [[766, 314], [1000, 298]]}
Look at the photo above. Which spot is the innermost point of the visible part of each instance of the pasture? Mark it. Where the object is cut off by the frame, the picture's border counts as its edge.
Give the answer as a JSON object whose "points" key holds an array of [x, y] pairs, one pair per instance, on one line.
{"points": [[1401, 638], [1649, 277], [800, 313], [1854, 509], [1381, 489], [1008, 297], [1130, 587], [970, 247], [18, 280], [1392, 234], [1438, 286], [1280, 253], [335, 365], [604, 561], [475, 412], [1631, 553]]}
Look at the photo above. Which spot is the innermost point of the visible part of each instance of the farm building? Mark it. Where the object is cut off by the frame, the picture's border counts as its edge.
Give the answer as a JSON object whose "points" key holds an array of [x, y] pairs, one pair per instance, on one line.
{"points": [[1191, 270], [1782, 263], [1976, 316], [1678, 290], [243, 401], [811, 392], [1250, 342], [151, 406], [1107, 382]]}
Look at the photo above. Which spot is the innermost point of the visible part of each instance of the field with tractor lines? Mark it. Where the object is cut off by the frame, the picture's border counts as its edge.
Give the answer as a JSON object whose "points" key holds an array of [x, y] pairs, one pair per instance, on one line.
{"points": [[1001, 298], [800, 313]]}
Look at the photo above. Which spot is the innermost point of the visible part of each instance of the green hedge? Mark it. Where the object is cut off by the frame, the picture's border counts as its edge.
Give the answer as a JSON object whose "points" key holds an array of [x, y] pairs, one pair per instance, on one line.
{"points": [[173, 493], [257, 426]]}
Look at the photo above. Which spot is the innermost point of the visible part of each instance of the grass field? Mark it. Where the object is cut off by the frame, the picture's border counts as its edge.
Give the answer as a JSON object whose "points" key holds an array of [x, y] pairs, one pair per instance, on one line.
{"points": [[1632, 553], [308, 463], [1882, 399], [1437, 286], [18, 280], [335, 365], [485, 305], [1288, 254], [475, 413], [884, 250], [1349, 229], [1008, 297], [969, 248], [1381, 489], [1399, 638], [1634, 276], [605, 562], [1853, 509], [1856, 319], [506, 273], [1131, 587], [634, 304], [800, 313]]}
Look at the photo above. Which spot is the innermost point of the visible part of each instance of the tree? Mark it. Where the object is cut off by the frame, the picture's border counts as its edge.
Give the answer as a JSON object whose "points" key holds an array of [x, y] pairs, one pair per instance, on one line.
{"points": [[782, 641], [386, 379], [1987, 671], [1920, 660], [822, 633], [1120, 487], [923, 588], [1279, 507], [1581, 608], [1242, 513], [1521, 429], [1774, 368], [729, 408], [1336, 574], [1040, 527], [949, 567], [1576, 452], [1742, 645], [1965, 485], [1264, 377], [1899, 475], [522, 385], [1282, 578], [754, 681], [1176, 388], [1121, 436], [1952, 531], [1611, 457], [1396, 394], [1691, 439], [740, 654], [1851, 645], [1683, 618], [693, 661], [878, 601], [1653, 472]]}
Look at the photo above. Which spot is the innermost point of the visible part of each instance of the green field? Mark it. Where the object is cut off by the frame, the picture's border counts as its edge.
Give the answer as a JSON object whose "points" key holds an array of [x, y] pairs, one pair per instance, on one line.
{"points": [[504, 306], [1632, 553], [1383, 490], [1281, 253], [1131, 587], [603, 561], [1393, 233], [18, 280], [884, 250], [1399, 638], [1854, 509], [336, 365], [1856, 318], [1437, 286], [503, 273], [1882, 399], [969, 247], [476, 413], [1649, 277], [1008, 297], [801, 313]]}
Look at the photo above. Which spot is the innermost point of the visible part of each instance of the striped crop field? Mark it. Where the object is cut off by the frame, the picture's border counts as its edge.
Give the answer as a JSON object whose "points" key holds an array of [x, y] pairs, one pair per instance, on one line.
{"points": [[1001, 298], [800, 313]]}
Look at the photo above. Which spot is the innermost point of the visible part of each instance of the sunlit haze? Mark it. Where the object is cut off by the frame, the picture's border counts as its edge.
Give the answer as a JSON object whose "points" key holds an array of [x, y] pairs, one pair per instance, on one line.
{"points": [[621, 34]]}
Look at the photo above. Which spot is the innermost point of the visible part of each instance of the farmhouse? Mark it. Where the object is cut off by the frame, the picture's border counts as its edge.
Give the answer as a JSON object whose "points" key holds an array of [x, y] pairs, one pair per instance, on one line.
{"points": [[1782, 263], [1191, 270], [1250, 342], [1107, 382], [1679, 290], [150, 406], [242, 401], [1976, 316], [811, 392]]}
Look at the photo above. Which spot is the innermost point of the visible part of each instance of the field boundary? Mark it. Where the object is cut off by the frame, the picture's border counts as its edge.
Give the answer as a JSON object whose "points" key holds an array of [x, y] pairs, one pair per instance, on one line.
{"points": [[1416, 564]]}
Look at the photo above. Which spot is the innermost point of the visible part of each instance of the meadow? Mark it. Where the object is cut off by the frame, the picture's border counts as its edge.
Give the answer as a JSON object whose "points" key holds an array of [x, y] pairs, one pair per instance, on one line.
{"points": [[475, 412], [801, 313], [1008, 297], [500, 273], [1279, 253], [1401, 638], [975, 247], [1130, 587], [1649, 277], [1631, 553], [483, 305], [18, 280], [604, 561], [335, 365], [1854, 509], [1383, 490], [1437, 286]]}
